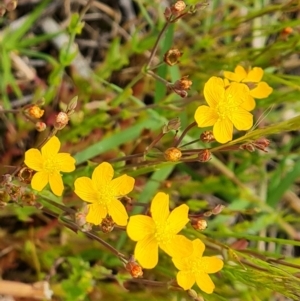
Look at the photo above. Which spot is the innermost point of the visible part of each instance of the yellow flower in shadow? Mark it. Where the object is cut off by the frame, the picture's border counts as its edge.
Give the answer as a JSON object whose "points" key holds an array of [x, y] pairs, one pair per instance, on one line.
{"points": [[252, 79], [227, 107], [102, 191], [196, 268], [159, 231], [49, 163]]}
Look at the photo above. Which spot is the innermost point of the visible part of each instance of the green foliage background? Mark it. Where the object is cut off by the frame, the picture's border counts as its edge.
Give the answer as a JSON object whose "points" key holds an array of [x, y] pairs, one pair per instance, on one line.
{"points": [[260, 191]]}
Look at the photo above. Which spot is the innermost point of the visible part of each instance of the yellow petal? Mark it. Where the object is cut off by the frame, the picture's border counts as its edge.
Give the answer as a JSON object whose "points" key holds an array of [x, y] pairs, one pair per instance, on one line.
{"points": [[262, 90], [178, 218], [139, 226], [249, 104], [146, 252], [205, 283], [212, 264], [198, 247], [182, 263], [236, 94], [51, 147], [84, 188], [214, 91], [65, 161], [103, 174], [34, 159], [226, 82], [179, 246], [254, 75], [206, 116], [96, 214], [39, 180], [160, 207], [118, 212], [237, 76], [242, 119], [240, 72], [56, 183], [185, 279], [223, 130], [122, 185]]}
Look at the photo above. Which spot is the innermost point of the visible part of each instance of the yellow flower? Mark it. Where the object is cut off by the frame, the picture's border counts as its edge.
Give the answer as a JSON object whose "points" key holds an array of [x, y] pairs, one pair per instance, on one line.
{"points": [[102, 191], [160, 230], [49, 163], [196, 268], [228, 107], [252, 78]]}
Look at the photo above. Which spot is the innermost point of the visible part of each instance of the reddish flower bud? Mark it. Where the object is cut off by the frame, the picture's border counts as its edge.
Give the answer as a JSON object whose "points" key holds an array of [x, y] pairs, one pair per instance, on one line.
{"points": [[40, 126], [134, 268], [204, 155]]}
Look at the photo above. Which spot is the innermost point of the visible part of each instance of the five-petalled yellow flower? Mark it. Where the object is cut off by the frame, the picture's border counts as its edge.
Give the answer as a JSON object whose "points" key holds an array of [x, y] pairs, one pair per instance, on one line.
{"points": [[252, 78], [196, 268], [159, 231], [49, 163], [227, 107], [102, 191]]}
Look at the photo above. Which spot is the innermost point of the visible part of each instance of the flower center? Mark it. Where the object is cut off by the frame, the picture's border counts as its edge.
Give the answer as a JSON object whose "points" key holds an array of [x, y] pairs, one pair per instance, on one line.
{"points": [[226, 107], [51, 166], [163, 233], [198, 266], [104, 196]]}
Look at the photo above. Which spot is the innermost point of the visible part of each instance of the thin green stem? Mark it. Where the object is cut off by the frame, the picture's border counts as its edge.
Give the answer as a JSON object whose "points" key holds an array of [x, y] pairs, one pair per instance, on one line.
{"points": [[153, 52]]}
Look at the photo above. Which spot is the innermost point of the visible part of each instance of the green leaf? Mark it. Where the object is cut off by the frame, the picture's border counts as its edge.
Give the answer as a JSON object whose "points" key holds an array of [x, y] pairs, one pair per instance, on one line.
{"points": [[275, 195]]}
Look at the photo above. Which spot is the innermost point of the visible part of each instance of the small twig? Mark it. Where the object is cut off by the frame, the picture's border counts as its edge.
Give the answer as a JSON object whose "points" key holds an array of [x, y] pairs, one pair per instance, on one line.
{"points": [[153, 52]]}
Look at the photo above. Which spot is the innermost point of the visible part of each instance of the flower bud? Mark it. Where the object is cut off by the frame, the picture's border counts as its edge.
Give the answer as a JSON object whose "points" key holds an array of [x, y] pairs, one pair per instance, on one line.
{"points": [[134, 268], [80, 218], [286, 32], [207, 136], [183, 84], [72, 105], [261, 144], [61, 120], [178, 7], [218, 209], [171, 56], [172, 154], [35, 112], [11, 5], [199, 224], [25, 175], [28, 199], [173, 124], [40, 126], [107, 224], [180, 86], [204, 155]]}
